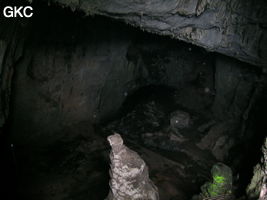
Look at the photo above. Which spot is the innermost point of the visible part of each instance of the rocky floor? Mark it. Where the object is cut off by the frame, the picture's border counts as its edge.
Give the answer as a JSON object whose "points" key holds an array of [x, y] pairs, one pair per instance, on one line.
{"points": [[76, 164], [170, 144], [69, 168], [77, 168]]}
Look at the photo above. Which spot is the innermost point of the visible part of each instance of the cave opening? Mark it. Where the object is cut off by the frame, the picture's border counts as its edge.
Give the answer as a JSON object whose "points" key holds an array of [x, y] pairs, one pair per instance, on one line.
{"points": [[77, 79]]}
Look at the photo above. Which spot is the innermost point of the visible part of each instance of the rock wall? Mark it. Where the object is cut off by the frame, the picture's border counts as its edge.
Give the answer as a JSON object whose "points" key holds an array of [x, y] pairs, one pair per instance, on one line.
{"points": [[74, 69], [235, 28], [12, 38], [234, 85], [64, 80], [71, 72]]}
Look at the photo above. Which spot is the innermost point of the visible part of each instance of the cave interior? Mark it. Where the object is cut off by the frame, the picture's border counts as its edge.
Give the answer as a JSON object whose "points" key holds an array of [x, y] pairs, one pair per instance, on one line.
{"points": [[71, 80]]}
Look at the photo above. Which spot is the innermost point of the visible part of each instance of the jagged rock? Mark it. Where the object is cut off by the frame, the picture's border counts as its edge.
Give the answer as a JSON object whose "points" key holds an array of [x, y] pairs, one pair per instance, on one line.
{"points": [[147, 117], [258, 186], [129, 174], [164, 140], [232, 27], [221, 184], [218, 141]]}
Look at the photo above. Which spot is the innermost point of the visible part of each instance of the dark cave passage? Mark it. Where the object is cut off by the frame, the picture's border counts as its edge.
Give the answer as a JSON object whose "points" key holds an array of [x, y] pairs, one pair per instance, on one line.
{"points": [[163, 95], [250, 148], [77, 79]]}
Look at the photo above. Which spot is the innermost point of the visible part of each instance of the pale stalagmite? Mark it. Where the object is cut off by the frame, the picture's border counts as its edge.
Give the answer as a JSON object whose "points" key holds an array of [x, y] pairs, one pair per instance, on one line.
{"points": [[129, 174]]}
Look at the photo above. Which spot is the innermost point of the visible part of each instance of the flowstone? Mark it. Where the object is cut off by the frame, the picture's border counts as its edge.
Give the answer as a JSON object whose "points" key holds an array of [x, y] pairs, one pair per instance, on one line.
{"points": [[129, 174]]}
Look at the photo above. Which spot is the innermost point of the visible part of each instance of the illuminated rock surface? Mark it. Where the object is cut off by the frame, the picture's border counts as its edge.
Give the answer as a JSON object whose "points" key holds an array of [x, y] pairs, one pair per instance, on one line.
{"points": [[129, 174], [232, 27], [221, 185], [258, 185]]}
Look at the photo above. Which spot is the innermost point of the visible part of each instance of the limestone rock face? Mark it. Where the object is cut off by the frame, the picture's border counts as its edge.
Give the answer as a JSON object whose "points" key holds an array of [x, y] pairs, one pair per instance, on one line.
{"points": [[232, 27], [217, 141], [129, 174], [258, 186]]}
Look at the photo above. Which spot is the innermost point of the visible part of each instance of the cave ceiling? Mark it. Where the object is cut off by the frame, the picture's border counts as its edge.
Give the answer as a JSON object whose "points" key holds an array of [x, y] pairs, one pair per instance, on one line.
{"points": [[235, 28]]}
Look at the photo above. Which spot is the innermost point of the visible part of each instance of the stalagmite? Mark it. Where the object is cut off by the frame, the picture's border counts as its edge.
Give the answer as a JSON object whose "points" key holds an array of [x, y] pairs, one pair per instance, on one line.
{"points": [[129, 174]]}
